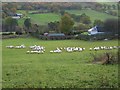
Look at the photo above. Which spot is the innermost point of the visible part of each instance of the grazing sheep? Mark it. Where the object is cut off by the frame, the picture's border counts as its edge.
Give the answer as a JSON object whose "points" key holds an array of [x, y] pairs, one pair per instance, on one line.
{"points": [[68, 49], [90, 49], [40, 52], [23, 46], [115, 47], [51, 51], [96, 48], [110, 48], [83, 48], [28, 52], [102, 48], [10, 46], [17, 47], [75, 48]]}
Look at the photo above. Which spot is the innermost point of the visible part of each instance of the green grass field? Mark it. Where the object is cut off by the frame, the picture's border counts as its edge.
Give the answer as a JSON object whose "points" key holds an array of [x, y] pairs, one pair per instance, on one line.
{"points": [[93, 14], [41, 19], [45, 18], [73, 70], [108, 2]]}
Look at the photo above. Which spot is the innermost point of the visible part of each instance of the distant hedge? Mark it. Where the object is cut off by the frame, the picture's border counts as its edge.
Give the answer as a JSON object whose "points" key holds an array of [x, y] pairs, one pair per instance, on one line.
{"points": [[96, 37]]}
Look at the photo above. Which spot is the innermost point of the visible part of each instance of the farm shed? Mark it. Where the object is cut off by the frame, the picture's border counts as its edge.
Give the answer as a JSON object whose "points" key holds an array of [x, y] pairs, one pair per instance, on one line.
{"points": [[19, 14], [16, 17], [56, 36]]}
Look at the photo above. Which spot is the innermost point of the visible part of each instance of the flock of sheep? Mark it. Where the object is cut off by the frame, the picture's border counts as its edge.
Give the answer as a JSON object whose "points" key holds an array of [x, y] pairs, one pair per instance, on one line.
{"points": [[67, 49], [36, 49]]}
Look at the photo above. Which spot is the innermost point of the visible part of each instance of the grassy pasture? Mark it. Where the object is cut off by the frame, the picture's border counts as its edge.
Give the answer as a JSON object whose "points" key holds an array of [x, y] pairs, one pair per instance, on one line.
{"points": [[55, 70], [40, 19], [108, 2], [45, 18], [93, 14]]}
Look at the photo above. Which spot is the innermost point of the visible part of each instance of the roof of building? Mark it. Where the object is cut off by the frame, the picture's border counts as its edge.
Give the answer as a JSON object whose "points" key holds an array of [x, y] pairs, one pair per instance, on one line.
{"points": [[16, 17], [19, 14], [96, 28], [56, 34]]}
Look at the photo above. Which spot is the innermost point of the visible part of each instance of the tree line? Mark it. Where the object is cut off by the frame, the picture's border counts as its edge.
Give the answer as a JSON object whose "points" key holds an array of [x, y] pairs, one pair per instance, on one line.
{"points": [[65, 25]]}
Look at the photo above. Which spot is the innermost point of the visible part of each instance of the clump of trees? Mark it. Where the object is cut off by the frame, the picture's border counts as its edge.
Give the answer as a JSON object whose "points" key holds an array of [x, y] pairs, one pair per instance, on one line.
{"points": [[112, 25], [98, 22], [27, 24], [8, 9], [54, 26], [66, 24], [10, 24]]}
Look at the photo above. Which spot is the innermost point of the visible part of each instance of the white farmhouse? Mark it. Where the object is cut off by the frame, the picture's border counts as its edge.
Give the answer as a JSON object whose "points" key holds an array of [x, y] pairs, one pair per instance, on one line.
{"points": [[93, 31]]}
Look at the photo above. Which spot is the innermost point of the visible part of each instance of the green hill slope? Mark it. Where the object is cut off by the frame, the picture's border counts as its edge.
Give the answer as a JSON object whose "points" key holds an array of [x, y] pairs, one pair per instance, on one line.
{"points": [[93, 14]]}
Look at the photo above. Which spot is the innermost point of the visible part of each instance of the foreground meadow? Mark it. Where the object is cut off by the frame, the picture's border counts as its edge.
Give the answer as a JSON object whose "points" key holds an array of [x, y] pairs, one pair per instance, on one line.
{"points": [[21, 70]]}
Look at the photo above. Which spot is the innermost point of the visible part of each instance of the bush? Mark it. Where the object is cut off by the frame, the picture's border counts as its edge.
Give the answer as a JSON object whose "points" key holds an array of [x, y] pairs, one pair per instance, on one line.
{"points": [[106, 58]]}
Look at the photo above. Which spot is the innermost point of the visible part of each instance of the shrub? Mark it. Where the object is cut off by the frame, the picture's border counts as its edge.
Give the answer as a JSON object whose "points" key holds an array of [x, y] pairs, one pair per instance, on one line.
{"points": [[106, 58]]}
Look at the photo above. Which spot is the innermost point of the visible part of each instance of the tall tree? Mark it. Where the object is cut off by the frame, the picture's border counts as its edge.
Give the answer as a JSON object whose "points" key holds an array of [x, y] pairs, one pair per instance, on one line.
{"points": [[112, 25], [66, 24], [54, 26], [27, 23], [98, 23], [11, 23], [114, 6], [85, 19]]}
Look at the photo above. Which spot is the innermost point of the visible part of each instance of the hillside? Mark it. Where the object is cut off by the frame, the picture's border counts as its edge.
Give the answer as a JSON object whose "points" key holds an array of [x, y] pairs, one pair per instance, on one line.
{"points": [[40, 19], [45, 18], [93, 14]]}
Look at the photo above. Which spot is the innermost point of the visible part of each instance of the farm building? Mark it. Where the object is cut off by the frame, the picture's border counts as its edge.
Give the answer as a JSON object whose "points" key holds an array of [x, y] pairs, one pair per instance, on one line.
{"points": [[56, 36], [95, 30], [18, 14], [15, 17]]}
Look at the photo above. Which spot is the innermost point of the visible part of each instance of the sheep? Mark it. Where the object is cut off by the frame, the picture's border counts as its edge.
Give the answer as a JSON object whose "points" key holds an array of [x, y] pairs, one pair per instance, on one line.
{"points": [[115, 47], [83, 48], [51, 51], [40, 52], [75, 48], [57, 51], [37, 48], [90, 49], [10, 46], [102, 48], [68, 49], [96, 48], [110, 48], [23, 46], [28, 52], [18, 47]]}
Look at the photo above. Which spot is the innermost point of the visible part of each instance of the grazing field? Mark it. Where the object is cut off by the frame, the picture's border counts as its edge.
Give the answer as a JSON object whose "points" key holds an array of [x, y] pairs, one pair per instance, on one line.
{"points": [[40, 19], [93, 14], [45, 18], [21, 70]]}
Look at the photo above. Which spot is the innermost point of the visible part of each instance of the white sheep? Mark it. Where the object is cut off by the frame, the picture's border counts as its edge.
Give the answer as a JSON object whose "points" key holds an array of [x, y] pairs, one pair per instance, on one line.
{"points": [[96, 48], [90, 49], [10, 46], [80, 49], [51, 51], [28, 52]]}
